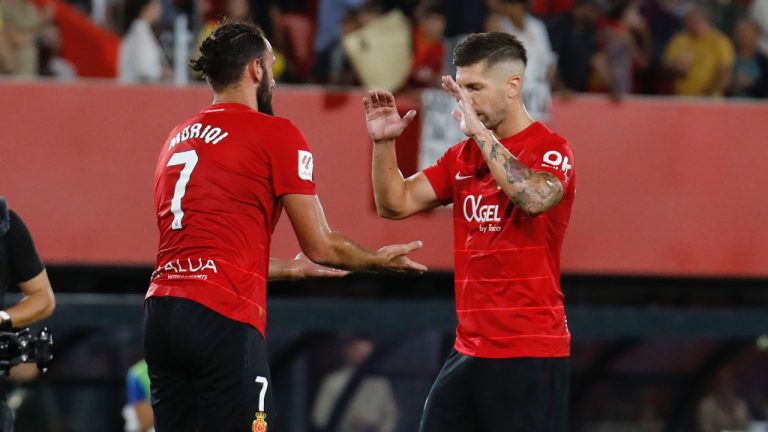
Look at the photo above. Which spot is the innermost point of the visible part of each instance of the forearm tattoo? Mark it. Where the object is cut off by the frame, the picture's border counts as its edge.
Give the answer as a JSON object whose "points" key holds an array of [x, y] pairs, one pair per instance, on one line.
{"points": [[532, 191]]}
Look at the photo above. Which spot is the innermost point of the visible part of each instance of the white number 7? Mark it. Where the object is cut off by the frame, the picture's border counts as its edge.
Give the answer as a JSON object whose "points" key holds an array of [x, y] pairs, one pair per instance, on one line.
{"points": [[189, 160], [264, 384]]}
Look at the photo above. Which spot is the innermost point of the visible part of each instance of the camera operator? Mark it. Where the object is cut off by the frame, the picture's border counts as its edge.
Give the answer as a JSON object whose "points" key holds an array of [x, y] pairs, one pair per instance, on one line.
{"points": [[20, 267]]}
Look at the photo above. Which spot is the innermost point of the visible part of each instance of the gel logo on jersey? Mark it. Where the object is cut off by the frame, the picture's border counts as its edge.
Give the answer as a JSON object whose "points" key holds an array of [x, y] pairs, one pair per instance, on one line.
{"points": [[306, 165], [475, 211], [553, 159]]}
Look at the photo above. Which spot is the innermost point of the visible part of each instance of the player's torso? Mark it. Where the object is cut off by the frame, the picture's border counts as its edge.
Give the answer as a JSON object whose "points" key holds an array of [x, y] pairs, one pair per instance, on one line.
{"points": [[506, 261], [214, 199]]}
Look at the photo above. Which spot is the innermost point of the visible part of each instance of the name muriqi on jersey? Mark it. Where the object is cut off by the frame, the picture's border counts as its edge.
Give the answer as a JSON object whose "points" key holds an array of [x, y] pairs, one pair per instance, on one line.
{"points": [[209, 134]]}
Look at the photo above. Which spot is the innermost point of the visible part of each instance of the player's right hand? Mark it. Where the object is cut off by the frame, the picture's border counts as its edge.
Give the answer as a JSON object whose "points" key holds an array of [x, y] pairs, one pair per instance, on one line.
{"points": [[381, 116], [395, 258]]}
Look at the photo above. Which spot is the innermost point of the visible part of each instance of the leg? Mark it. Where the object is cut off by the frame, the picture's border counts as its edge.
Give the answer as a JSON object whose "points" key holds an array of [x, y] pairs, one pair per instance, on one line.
{"points": [[173, 392], [233, 383], [449, 406], [522, 394]]}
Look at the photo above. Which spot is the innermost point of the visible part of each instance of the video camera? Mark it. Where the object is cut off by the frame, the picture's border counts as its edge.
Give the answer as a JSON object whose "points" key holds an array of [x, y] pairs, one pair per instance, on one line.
{"points": [[23, 347]]}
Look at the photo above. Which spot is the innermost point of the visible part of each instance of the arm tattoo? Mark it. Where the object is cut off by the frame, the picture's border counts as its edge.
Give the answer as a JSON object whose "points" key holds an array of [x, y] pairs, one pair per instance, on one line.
{"points": [[535, 192]]}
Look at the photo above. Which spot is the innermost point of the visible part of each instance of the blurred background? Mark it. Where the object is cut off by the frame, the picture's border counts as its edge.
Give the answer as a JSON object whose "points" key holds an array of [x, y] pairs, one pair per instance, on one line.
{"points": [[665, 265]]}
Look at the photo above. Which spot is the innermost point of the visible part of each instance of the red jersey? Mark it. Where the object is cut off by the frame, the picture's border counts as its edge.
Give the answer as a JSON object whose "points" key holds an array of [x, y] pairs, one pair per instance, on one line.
{"points": [[507, 263], [217, 186]]}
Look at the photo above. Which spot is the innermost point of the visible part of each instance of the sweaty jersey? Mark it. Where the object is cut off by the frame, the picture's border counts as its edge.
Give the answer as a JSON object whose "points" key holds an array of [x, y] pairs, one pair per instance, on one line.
{"points": [[218, 181], [507, 263]]}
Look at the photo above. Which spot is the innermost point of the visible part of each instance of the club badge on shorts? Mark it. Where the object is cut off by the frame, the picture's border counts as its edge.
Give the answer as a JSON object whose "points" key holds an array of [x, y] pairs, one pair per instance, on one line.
{"points": [[260, 424]]}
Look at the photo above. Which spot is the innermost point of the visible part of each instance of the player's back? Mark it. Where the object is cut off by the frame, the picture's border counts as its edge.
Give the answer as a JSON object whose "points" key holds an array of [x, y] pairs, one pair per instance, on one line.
{"points": [[216, 199]]}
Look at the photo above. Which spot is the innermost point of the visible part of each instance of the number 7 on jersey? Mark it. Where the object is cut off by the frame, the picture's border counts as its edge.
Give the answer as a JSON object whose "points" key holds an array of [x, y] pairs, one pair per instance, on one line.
{"points": [[189, 160]]}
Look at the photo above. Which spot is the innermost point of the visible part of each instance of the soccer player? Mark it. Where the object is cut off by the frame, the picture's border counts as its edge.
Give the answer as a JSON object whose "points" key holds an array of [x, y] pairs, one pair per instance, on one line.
{"points": [[222, 179], [512, 185]]}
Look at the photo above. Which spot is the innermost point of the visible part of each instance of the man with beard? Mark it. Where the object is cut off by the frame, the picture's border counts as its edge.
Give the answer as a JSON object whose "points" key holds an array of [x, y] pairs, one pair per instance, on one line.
{"points": [[221, 182]]}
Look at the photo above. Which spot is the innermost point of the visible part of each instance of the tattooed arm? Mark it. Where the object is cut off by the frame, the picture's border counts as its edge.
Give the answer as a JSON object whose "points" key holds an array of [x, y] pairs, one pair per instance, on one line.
{"points": [[533, 191]]}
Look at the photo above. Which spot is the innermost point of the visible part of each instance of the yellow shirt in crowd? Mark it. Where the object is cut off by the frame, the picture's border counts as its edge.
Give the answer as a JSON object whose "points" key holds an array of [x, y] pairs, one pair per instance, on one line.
{"points": [[706, 55]]}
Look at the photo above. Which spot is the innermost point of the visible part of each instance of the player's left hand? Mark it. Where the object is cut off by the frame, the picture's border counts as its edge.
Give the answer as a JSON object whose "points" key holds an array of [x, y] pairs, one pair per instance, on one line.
{"points": [[303, 268], [466, 115]]}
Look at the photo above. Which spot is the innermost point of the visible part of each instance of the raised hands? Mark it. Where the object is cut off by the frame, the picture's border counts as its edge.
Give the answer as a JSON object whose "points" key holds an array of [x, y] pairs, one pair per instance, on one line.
{"points": [[381, 116], [466, 116]]}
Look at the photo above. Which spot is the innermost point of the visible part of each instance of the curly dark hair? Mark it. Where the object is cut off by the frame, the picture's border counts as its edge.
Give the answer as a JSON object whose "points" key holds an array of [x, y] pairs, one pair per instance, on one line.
{"points": [[225, 53], [492, 47]]}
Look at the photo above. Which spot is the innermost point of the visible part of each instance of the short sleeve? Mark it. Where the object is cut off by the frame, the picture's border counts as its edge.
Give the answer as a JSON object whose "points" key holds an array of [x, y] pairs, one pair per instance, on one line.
{"points": [[555, 157], [292, 162], [23, 261], [439, 176]]}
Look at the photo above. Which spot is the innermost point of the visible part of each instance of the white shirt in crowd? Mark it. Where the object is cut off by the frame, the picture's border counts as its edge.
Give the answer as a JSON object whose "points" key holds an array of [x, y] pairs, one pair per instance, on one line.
{"points": [[141, 57], [537, 91]]}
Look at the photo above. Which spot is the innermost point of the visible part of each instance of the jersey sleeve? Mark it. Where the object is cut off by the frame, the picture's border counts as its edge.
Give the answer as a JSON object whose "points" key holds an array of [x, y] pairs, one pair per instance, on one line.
{"points": [[23, 261], [440, 177], [292, 162], [556, 157]]}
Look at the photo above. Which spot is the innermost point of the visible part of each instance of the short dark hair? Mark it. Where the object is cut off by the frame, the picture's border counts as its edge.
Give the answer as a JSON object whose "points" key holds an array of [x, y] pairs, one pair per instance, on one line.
{"points": [[492, 47], [224, 54]]}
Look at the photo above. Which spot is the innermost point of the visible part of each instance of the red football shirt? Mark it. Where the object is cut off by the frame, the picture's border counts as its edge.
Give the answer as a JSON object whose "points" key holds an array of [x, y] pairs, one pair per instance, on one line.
{"points": [[507, 263], [218, 181]]}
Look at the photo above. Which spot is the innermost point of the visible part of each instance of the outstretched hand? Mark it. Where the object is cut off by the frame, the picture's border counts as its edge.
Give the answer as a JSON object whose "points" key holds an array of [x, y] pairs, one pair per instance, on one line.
{"points": [[381, 116], [466, 116], [395, 258], [304, 268]]}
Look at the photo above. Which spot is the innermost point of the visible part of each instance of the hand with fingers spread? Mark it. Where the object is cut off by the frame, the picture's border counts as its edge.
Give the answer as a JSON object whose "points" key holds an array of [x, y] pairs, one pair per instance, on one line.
{"points": [[381, 116], [466, 116], [395, 258], [303, 267]]}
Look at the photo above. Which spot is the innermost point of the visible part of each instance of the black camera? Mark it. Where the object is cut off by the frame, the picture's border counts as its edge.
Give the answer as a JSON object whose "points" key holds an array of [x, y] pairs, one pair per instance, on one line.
{"points": [[24, 347]]}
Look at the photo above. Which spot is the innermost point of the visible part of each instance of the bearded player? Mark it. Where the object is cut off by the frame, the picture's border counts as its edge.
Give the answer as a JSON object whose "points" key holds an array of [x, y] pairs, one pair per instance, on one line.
{"points": [[223, 178], [512, 188]]}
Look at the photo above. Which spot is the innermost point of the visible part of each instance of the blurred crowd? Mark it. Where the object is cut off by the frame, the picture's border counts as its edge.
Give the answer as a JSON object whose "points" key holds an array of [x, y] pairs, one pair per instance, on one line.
{"points": [[617, 47]]}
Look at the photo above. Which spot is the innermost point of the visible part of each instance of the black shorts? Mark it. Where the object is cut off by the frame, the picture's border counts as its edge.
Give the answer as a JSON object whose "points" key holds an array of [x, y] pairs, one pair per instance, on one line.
{"points": [[498, 395], [207, 372]]}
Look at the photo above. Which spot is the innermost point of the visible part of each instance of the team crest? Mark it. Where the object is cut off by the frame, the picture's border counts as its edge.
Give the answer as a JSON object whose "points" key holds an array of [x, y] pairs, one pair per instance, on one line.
{"points": [[260, 424]]}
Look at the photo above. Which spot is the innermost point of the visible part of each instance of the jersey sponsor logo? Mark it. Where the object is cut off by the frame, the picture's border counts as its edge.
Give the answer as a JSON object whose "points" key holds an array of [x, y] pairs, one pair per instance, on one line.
{"points": [[306, 165], [476, 211], [185, 267], [554, 159]]}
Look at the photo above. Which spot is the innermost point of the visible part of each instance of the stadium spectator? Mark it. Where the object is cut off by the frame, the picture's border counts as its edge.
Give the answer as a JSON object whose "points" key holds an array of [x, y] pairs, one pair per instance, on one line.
{"points": [[372, 406], [722, 409], [510, 216], [574, 40], [512, 16], [428, 45], [624, 41], [758, 11], [20, 267], [750, 72], [138, 408], [141, 58], [330, 21], [223, 178], [22, 22], [700, 58]]}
